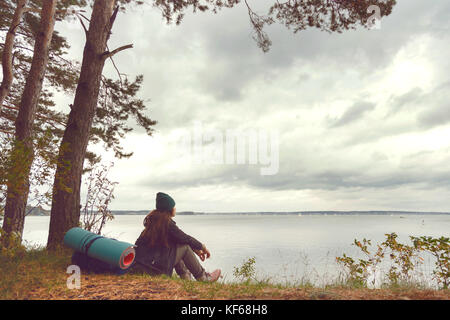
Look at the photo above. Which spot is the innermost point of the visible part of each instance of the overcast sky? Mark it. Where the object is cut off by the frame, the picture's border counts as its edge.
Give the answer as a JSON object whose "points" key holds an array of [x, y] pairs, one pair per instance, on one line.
{"points": [[363, 118]]}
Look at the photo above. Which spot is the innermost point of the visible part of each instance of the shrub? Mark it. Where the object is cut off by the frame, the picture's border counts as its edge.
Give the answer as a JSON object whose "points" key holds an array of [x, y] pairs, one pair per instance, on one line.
{"points": [[360, 272], [247, 271], [403, 260], [11, 245], [440, 250], [100, 193]]}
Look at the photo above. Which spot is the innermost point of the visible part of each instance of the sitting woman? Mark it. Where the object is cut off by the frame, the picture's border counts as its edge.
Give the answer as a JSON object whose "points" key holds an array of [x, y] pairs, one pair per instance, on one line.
{"points": [[162, 246]]}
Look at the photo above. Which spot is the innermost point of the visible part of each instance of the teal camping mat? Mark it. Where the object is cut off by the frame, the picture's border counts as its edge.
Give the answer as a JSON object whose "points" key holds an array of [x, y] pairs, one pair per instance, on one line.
{"points": [[115, 253]]}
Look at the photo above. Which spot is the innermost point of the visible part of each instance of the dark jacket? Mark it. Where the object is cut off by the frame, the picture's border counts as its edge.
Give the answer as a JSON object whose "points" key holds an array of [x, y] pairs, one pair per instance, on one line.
{"points": [[161, 259]]}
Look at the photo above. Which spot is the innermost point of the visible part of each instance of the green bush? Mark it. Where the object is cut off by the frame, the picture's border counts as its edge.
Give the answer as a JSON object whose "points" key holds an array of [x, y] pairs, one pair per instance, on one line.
{"points": [[440, 250], [247, 271], [11, 245], [403, 260]]}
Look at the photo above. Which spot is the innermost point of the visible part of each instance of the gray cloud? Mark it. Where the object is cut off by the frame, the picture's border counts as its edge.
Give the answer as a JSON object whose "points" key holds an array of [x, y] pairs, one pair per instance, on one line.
{"points": [[412, 97], [439, 115], [411, 112], [328, 179], [437, 109], [230, 60], [353, 113], [209, 69], [368, 51]]}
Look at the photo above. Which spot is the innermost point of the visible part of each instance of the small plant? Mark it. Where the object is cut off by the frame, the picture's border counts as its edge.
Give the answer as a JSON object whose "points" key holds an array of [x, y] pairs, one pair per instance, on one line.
{"points": [[440, 249], [403, 257], [360, 272], [11, 245], [247, 271], [100, 192]]}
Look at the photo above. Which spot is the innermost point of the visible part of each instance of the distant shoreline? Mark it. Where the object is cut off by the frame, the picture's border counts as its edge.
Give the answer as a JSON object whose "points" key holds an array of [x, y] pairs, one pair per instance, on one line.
{"points": [[42, 212], [125, 212]]}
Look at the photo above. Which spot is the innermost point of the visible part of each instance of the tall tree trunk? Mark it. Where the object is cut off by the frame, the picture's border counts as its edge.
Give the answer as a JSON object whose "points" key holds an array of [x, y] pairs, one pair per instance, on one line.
{"points": [[7, 55], [22, 154], [65, 212]]}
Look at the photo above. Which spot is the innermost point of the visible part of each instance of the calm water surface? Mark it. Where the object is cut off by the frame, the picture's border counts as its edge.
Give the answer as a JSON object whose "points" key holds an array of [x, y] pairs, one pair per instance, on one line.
{"points": [[286, 248]]}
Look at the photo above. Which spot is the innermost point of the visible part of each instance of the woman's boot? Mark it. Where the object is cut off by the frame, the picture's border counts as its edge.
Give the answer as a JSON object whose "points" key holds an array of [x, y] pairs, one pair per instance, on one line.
{"points": [[210, 277]]}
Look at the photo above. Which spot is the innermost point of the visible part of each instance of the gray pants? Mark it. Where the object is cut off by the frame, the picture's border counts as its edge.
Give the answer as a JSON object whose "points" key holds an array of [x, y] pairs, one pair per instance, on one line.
{"points": [[185, 260]]}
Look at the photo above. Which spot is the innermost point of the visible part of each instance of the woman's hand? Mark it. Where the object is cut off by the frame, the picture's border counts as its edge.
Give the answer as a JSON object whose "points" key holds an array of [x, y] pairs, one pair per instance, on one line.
{"points": [[200, 254], [206, 251], [203, 253]]}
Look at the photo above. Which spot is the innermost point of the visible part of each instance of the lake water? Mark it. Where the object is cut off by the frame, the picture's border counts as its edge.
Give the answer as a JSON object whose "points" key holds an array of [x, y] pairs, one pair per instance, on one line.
{"points": [[286, 248]]}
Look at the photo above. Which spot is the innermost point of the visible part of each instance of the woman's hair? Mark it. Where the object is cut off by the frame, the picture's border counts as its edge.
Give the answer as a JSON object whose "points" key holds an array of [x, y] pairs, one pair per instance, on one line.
{"points": [[156, 224]]}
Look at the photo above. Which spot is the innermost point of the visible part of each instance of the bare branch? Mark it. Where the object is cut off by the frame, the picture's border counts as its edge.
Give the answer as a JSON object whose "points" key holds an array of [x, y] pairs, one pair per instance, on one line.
{"points": [[117, 69], [111, 21], [82, 24], [10, 107], [258, 22], [108, 54]]}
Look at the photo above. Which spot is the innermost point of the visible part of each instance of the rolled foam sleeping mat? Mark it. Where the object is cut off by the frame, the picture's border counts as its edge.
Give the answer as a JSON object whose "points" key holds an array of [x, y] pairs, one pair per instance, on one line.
{"points": [[113, 252]]}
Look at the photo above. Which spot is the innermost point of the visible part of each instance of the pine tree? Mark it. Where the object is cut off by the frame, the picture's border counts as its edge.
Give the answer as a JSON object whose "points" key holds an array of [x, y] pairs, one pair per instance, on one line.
{"points": [[65, 212], [109, 124], [22, 152]]}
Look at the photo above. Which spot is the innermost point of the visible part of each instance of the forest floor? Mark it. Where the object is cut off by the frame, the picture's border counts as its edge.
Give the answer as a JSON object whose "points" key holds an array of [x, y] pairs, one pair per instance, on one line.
{"points": [[40, 275], [134, 287]]}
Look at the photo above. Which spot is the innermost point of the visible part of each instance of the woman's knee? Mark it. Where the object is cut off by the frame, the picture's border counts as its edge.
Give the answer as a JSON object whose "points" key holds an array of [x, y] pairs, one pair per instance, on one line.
{"points": [[183, 247], [182, 250]]}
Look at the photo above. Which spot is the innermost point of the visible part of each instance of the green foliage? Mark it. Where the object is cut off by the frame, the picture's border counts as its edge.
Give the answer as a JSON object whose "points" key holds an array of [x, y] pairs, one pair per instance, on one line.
{"points": [[4, 154], [403, 260], [247, 271], [359, 272], [440, 250], [11, 245], [15, 159], [17, 166], [357, 275], [117, 102]]}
